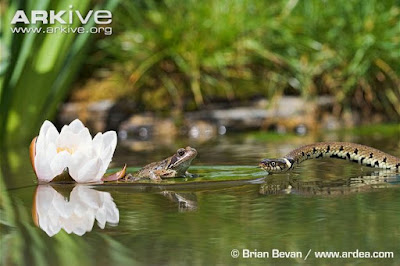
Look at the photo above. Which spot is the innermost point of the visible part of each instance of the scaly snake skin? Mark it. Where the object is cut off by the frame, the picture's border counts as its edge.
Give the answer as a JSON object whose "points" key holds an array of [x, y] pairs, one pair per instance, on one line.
{"points": [[342, 150]]}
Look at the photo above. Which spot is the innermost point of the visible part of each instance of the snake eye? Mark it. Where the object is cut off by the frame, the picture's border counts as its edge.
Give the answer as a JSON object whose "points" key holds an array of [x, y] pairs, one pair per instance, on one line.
{"points": [[181, 152], [273, 164]]}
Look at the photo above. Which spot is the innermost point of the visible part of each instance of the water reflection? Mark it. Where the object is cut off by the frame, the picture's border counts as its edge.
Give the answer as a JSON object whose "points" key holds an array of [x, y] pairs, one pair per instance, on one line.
{"points": [[294, 185], [75, 212], [186, 201]]}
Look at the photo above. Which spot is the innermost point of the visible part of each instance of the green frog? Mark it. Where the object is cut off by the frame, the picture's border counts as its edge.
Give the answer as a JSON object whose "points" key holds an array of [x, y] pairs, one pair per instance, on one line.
{"points": [[174, 166]]}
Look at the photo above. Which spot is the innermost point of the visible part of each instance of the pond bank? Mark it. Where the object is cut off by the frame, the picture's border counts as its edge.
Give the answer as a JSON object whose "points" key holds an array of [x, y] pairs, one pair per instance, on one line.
{"points": [[288, 114]]}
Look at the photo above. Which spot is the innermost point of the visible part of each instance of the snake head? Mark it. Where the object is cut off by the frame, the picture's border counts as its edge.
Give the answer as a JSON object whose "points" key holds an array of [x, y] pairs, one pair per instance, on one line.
{"points": [[276, 165]]}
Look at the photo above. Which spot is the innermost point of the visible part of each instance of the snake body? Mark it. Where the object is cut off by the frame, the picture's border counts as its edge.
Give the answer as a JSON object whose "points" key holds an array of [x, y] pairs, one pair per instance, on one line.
{"points": [[341, 150]]}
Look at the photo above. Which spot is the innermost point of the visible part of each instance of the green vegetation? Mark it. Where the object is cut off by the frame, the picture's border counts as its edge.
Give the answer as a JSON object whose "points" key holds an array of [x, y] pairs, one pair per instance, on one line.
{"points": [[183, 54], [369, 130], [36, 70]]}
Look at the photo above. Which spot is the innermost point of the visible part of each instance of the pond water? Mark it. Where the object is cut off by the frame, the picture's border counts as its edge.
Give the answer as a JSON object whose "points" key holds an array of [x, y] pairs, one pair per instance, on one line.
{"points": [[323, 205]]}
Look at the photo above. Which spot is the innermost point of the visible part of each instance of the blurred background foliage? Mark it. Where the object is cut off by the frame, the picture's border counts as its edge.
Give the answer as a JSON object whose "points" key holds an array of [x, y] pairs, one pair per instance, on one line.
{"points": [[183, 55], [37, 70]]}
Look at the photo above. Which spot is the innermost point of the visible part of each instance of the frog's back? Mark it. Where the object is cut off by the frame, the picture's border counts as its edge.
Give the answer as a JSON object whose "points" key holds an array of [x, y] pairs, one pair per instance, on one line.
{"points": [[145, 171]]}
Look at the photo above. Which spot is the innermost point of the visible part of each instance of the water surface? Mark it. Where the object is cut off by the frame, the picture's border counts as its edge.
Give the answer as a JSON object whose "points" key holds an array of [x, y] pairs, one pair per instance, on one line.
{"points": [[323, 205]]}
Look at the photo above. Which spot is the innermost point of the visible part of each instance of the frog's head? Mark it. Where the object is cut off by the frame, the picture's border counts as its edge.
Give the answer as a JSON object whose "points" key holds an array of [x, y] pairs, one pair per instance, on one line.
{"points": [[182, 159]]}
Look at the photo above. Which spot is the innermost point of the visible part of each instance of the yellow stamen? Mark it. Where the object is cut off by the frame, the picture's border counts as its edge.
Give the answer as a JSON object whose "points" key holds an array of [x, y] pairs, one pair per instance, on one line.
{"points": [[67, 149]]}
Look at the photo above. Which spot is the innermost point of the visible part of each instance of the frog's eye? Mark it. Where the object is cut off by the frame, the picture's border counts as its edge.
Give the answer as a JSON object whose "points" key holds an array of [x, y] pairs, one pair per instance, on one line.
{"points": [[273, 164], [181, 152]]}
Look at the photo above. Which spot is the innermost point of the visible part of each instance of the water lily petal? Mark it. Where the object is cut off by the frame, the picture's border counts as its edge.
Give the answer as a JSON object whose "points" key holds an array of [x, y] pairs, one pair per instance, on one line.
{"points": [[84, 137], [84, 142], [50, 152], [80, 231], [52, 134], [110, 139], [45, 126], [76, 126], [109, 145], [44, 129], [52, 229], [80, 208], [85, 206], [78, 159], [79, 224], [64, 129], [49, 163], [43, 157], [101, 217], [106, 160], [74, 148], [107, 154], [92, 198], [98, 143], [90, 171], [43, 170], [112, 210], [67, 139], [61, 206], [60, 162], [46, 198]]}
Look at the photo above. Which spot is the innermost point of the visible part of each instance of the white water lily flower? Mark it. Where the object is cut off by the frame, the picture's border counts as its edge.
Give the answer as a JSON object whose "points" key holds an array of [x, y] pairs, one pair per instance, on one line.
{"points": [[87, 159], [52, 212]]}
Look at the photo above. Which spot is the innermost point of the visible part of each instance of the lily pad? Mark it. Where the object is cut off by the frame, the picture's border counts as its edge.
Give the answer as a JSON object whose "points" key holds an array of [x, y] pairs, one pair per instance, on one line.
{"points": [[205, 175]]}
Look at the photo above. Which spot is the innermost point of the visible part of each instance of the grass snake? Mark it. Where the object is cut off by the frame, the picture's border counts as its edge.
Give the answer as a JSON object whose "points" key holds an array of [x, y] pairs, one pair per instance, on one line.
{"points": [[341, 150]]}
